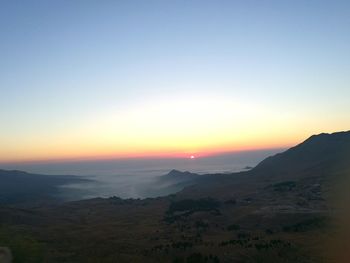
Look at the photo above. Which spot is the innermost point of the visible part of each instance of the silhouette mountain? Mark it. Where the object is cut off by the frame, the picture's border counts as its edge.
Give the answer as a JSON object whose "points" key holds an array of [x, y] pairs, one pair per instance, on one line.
{"points": [[324, 151], [22, 187], [178, 176], [319, 158]]}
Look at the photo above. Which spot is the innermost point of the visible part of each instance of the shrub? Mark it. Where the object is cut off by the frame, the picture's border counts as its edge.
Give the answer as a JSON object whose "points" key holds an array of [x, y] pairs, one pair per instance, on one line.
{"points": [[233, 227]]}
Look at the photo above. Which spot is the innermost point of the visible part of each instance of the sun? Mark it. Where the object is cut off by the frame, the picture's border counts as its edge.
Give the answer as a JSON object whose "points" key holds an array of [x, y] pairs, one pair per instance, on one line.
{"points": [[192, 157]]}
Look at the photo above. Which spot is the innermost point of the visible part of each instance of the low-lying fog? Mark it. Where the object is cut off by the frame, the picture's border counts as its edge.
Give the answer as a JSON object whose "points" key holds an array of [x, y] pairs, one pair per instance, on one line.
{"points": [[137, 178]]}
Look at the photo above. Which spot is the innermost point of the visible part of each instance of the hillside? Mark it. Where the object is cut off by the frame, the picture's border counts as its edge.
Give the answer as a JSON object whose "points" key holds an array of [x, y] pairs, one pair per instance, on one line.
{"points": [[20, 187], [329, 151], [280, 211]]}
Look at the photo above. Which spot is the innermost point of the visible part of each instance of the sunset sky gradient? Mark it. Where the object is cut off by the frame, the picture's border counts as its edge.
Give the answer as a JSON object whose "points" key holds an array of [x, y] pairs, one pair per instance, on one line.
{"points": [[102, 79]]}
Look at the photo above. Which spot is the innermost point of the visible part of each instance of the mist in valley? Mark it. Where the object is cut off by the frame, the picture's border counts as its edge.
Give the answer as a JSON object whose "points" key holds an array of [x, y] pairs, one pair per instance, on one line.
{"points": [[138, 178]]}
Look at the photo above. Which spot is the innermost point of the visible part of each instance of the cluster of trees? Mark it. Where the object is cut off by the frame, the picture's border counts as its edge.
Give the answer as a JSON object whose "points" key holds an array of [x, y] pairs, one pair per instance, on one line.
{"points": [[284, 186], [176, 245], [198, 258], [258, 245], [233, 227], [184, 208], [274, 243], [241, 242], [182, 245], [308, 224], [204, 204]]}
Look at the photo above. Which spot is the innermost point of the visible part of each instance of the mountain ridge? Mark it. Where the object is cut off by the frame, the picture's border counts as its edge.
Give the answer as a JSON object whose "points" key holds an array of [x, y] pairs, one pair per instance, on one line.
{"points": [[328, 148]]}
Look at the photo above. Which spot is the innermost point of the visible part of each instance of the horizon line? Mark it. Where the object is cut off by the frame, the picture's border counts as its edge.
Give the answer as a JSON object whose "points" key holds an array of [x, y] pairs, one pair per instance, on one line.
{"points": [[144, 157]]}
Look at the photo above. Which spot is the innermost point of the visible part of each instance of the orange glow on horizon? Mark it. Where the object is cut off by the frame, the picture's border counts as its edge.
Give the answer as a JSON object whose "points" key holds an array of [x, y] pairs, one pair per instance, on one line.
{"points": [[166, 129], [148, 153], [197, 149]]}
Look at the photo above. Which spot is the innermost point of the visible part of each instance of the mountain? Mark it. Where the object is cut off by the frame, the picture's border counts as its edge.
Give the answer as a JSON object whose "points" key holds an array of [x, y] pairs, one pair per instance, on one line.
{"points": [[317, 159], [22, 187], [329, 151], [280, 211], [175, 176]]}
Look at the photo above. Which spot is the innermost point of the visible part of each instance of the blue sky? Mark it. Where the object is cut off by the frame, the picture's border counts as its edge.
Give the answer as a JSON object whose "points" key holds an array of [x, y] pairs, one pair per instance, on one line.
{"points": [[65, 63]]}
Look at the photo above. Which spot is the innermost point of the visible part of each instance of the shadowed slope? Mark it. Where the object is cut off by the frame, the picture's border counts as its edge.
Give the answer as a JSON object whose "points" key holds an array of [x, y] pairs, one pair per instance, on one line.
{"points": [[21, 187], [328, 152]]}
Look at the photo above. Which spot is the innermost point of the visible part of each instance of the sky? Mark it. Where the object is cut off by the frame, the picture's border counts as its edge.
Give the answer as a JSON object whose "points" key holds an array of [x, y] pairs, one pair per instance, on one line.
{"points": [[101, 79]]}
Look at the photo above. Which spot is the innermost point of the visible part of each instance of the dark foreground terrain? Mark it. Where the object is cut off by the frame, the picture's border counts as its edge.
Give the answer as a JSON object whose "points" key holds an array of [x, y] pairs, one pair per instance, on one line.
{"points": [[286, 209]]}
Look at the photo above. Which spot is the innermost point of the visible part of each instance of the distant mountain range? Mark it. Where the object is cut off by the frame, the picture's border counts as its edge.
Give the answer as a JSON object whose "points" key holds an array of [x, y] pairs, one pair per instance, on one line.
{"points": [[22, 187]]}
